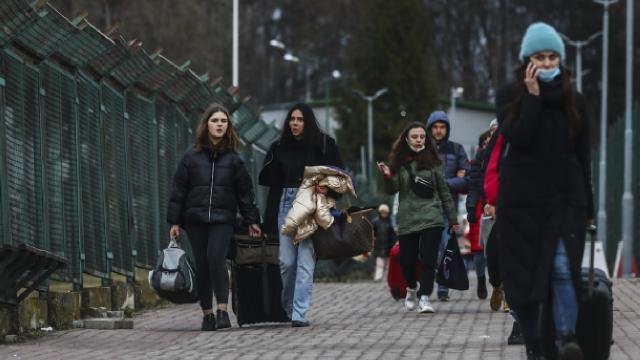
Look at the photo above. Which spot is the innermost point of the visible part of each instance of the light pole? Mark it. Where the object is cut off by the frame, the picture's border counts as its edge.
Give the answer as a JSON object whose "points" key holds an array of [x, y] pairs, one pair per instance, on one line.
{"points": [[455, 93], [627, 196], [602, 166], [235, 55], [335, 75], [369, 99], [579, 45], [289, 56]]}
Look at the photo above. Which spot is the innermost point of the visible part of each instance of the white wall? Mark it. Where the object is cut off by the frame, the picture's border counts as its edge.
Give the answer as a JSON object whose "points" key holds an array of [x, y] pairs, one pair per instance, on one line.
{"points": [[468, 125]]}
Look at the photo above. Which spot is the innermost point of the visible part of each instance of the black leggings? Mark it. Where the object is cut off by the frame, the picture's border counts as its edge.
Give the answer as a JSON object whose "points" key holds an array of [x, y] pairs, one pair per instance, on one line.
{"points": [[210, 243], [426, 242], [492, 252]]}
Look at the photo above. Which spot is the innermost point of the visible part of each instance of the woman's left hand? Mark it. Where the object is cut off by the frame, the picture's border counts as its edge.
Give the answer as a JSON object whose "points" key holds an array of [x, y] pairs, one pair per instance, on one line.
{"points": [[455, 228], [255, 231]]}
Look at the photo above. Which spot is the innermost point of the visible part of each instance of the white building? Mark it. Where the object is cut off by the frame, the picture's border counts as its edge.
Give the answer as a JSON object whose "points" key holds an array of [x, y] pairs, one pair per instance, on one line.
{"points": [[471, 120]]}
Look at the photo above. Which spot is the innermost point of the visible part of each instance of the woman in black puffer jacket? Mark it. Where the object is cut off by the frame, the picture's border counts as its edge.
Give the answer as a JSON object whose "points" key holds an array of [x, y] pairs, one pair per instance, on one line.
{"points": [[210, 185]]}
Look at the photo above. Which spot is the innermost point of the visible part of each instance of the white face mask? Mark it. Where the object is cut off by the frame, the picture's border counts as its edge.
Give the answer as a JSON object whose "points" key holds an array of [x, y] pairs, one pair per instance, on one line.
{"points": [[416, 149], [546, 75]]}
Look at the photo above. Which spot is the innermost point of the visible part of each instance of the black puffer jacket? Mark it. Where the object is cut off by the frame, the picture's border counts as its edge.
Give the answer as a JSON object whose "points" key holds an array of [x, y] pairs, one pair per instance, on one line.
{"points": [[196, 199]]}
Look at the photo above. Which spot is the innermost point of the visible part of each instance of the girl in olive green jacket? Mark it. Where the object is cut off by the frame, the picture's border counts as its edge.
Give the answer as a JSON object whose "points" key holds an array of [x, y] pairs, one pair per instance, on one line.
{"points": [[415, 172]]}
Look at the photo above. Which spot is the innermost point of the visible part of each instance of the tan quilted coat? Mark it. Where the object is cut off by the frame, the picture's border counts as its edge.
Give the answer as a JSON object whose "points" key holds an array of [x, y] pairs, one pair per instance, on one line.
{"points": [[309, 209]]}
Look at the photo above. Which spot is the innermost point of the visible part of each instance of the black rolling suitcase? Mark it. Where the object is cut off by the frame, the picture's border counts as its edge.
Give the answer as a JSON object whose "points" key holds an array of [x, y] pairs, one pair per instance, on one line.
{"points": [[594, 328], [256, 285]]}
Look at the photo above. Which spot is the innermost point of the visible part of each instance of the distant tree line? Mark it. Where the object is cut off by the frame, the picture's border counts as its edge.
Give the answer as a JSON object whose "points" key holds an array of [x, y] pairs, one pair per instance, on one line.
{"points": [[418, 49]]}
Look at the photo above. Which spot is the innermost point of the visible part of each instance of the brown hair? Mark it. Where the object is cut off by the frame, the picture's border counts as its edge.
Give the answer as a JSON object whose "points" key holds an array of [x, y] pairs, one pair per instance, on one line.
{"points": [[400, 150], [230, 139]]}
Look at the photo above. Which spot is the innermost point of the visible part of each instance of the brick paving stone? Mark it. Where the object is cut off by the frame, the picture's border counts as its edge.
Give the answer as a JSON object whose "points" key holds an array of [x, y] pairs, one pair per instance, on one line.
{"points": [[349, 321]]}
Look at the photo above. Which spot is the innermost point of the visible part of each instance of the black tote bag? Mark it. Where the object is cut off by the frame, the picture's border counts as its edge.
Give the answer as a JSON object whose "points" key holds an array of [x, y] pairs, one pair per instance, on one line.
{"points": [[451, 272]]}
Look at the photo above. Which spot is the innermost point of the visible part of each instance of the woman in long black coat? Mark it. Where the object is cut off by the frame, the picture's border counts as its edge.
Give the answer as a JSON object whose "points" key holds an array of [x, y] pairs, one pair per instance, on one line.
{"points": [[545, 199]]}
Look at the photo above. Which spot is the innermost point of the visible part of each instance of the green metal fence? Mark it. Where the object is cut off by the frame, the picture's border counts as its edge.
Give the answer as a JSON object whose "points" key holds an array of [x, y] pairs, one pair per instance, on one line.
{"points": [[91, 130]]}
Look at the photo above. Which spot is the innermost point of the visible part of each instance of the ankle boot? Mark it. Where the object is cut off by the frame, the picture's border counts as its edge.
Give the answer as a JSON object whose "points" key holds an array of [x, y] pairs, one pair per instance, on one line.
{"points": [[482, 288], [208, 323], [222, 319], [568, 348], [534, 349]]}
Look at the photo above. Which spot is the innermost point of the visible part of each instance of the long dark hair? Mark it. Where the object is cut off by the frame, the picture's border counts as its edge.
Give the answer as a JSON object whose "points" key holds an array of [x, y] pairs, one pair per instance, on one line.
{"points": [[311, 135], [400, 150], [230, 139], [569, 97]]}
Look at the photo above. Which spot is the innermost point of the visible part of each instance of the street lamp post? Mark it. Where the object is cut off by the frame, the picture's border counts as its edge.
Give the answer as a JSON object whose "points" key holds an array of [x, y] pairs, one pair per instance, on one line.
{"points": [[602, 166], [289, 56], [455, 93], [369, 99], [335, 75], [579, 45], [627, 196], [235, 55]]}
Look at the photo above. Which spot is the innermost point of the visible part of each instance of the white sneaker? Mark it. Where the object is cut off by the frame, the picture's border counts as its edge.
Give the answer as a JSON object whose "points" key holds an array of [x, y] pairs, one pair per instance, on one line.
{"points": [[424, 306], [411, 300]]}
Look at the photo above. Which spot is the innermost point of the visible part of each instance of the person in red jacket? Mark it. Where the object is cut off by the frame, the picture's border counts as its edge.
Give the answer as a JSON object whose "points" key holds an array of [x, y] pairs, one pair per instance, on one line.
{"points": [[491, 187]]}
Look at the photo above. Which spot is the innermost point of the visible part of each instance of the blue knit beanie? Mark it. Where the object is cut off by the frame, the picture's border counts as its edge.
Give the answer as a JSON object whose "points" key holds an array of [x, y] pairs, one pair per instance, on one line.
{"points": [[541, 37]]}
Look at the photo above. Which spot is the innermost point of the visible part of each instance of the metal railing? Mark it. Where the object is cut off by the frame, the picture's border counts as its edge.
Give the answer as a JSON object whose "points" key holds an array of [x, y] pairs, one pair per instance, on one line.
{"points": [[91, 129]]}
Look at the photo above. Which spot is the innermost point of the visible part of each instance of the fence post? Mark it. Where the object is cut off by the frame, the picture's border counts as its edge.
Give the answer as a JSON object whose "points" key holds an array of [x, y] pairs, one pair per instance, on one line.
{"points": [[5, 233], [106, 280], [79, 283]]}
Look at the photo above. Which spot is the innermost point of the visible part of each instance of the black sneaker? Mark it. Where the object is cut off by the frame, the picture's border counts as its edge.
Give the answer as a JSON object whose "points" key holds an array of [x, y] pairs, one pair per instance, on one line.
{"points": [[443, 296], [209, 323], [222, 319], [296, 323], [568, 348], [515, 338], [482, 288]]}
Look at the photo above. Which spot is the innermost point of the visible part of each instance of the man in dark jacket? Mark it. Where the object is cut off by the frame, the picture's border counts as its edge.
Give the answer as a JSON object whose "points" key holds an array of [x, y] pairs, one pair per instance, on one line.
{"points": [[455, 165]]}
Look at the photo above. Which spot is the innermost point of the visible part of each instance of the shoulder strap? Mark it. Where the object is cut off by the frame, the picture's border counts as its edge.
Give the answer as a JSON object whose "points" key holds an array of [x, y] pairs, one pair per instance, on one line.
{"points": [[409, 170]]}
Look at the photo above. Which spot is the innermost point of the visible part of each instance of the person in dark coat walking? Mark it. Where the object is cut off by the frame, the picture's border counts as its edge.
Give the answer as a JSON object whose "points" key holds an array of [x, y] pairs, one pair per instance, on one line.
{"points": [[301, 144], [385, 238], [455, 166], [475, 202], [210, 185], [545, 200]]}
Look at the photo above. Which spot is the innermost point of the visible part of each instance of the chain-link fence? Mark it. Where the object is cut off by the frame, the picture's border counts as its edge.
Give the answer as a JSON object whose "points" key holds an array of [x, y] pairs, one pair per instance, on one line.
{"points": [[91, 129]]}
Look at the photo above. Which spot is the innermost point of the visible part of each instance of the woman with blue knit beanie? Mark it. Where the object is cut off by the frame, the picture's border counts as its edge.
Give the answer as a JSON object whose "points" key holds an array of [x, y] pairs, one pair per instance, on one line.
{"points": [[546, 197]]}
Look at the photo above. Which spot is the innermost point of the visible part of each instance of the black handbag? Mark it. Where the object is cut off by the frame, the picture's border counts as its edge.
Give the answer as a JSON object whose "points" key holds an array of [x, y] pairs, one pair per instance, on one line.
{"points": [[419, 185], [347, 237], [451, 272]]}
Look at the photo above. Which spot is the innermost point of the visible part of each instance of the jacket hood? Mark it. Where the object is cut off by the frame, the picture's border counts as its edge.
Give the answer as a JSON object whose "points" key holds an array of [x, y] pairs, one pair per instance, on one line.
{"points": [[436, 116]]}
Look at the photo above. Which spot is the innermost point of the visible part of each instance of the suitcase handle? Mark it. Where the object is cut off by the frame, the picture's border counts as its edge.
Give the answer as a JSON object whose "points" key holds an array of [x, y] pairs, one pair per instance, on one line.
{"points": [[591, 229]]}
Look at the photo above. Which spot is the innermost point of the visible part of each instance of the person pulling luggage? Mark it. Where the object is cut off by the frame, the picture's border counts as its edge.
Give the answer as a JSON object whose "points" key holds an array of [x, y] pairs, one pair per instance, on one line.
{"points": [[210, 185], [301, 144], [415, 172], [546, 197]]}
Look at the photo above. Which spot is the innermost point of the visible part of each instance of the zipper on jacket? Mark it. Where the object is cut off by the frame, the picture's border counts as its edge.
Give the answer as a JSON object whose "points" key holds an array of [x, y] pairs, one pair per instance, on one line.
{"points": [[213, 170]]}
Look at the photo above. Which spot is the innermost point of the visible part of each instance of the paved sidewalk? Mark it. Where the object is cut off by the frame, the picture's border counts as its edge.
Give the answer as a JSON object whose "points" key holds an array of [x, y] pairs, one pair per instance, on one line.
{"points": [[350, 321]]}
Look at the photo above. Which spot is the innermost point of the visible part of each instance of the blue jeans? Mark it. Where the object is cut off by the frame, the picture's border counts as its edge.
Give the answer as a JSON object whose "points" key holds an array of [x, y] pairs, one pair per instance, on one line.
{"points": [[564, 302], [479, 263], [297, 263], [443, 245]]}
